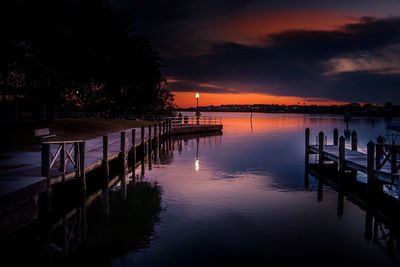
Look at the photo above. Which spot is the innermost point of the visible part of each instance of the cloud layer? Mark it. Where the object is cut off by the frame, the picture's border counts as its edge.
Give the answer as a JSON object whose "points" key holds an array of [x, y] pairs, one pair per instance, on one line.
{"points": [[313, 49]]}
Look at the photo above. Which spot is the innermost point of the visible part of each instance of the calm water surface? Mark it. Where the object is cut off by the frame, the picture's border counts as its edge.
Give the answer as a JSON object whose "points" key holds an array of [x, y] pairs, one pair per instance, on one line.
{"points": [[240, 199]]}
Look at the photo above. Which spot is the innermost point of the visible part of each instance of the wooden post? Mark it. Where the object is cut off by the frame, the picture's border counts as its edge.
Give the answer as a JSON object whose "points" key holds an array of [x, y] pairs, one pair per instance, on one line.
{"points": [[149, 142], [142, 140], [134, 150], [82, 164], [342, 155], [379, 152], [393, 159], [335, 137], [46, 171], [159, 130], [320, 147], [149, 134], [307, 139], [307, 159], [371, 166], [123, 151], [105, 159], [62, 160], [76, 158], [123, 163], [45, 159], [133, 137], [354, 141]]}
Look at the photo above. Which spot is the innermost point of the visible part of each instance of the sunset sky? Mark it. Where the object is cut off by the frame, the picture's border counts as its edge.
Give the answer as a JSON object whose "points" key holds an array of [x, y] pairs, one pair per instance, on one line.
{"points": [[278, 52]]}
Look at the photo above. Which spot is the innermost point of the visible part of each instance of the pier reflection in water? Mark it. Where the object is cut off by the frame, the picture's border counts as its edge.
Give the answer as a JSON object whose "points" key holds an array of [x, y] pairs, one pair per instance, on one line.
{"points": [[382, 221]]}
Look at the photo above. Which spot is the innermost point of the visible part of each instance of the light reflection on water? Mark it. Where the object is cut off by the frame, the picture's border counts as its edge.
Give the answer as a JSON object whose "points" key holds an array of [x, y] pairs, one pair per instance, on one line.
{"points": [[246, 202]]}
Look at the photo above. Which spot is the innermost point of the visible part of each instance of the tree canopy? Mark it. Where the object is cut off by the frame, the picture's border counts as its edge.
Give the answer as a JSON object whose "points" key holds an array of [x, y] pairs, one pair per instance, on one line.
{"points": [[83, 55]]}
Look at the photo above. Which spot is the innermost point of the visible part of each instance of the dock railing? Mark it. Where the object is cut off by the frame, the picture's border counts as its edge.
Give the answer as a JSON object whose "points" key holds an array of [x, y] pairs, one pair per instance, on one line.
{"points": [[378, 159], [193, 120]]}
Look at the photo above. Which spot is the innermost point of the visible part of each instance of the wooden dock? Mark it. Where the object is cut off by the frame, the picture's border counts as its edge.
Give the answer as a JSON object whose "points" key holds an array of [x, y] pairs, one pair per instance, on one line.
{"points": [[380, 163], [109, 158]]}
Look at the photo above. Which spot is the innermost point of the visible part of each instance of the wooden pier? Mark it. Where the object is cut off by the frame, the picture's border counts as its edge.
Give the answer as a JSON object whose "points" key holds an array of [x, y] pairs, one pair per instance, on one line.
{"points": [[380, 163], [105, 160]]}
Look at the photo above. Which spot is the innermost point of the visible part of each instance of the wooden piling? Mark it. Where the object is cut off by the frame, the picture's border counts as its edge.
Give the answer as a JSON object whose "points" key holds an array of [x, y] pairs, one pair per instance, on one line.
{"points": [[379, 152], [123, 163], [62, 161], [149, 141], [335, 137], [354, 141], [342, 154], [320, 147], [123, 152], [307, 141], [82, 164], [133, 149], [370, 166], [142, 141], [76, 158], [307, 156], [105, 159], [45, 159], [393, 159], [46, 171]]}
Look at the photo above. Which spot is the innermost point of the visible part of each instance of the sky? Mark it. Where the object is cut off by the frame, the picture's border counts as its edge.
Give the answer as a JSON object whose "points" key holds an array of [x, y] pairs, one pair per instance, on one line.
{"points": [[275, 52]]}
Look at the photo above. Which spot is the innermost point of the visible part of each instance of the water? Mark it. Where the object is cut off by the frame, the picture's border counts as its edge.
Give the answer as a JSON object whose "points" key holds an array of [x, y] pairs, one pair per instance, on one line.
{"points": [[235, 200]]}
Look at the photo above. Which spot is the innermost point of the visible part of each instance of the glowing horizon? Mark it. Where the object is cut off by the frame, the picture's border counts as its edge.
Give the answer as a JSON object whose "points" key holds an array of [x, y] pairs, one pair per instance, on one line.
{"points": [[188, 99]]}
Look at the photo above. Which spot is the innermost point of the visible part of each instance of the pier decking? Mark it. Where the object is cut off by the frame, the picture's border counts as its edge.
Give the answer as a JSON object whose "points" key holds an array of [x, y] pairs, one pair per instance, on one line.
{"points": [[379, 163]]}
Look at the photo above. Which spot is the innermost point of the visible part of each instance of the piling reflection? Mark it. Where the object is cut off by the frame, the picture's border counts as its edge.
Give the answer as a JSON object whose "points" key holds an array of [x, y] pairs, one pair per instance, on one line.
{"points": [[381, 211]]}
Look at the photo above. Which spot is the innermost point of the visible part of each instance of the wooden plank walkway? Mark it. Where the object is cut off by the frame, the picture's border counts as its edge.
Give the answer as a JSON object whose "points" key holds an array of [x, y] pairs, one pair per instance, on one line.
{"points": [[384, 162]]}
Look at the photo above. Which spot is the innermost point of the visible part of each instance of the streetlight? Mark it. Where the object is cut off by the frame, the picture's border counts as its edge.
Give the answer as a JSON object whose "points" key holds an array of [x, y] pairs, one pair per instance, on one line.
{"points": [[197, 108]]}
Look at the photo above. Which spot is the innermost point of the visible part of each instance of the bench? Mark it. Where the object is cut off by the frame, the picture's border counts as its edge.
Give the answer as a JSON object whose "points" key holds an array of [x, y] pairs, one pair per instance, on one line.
{"points": [[43, 133]]}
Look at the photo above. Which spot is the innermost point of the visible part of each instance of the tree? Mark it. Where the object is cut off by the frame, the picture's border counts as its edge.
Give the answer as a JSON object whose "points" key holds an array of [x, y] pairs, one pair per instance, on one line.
{"points": [[61, 47]]}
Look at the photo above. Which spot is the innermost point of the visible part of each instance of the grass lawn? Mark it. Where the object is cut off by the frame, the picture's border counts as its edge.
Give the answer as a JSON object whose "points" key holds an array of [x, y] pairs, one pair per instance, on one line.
{"points": [[20, 135]]}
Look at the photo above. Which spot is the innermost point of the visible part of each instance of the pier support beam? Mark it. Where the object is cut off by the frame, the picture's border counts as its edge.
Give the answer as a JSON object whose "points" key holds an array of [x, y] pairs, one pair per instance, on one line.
{"points": [[379, 152], [105, 160], [320, 148], [123, 163], [82, 164], [133, 148], [354, 141], [307, 156], [371, 167], [142, 141], [342, 154], [335, 137]]}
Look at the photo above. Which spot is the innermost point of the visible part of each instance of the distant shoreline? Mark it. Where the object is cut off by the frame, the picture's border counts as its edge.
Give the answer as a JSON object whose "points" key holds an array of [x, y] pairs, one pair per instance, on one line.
{"points": [[356, 110]]}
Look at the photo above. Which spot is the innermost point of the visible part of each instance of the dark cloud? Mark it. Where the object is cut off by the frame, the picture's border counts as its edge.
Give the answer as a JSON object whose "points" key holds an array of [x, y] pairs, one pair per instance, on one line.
{"points": [[298, 63]]}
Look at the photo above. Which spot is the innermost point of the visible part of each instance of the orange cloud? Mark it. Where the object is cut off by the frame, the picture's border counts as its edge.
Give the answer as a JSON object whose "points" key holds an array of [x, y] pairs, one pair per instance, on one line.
{"points": [[248, 28]]}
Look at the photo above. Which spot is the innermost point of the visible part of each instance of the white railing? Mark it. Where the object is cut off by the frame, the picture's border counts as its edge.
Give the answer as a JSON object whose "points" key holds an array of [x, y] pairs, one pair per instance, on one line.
{"points": [[193, 120]]}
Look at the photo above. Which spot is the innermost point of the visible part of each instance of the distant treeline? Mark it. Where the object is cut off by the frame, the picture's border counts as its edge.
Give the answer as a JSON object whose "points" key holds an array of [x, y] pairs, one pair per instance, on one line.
{"points": [[80, 55], [387, 110]]}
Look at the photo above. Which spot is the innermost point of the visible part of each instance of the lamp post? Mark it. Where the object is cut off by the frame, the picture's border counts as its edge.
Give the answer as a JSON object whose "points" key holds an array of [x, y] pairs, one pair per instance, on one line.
{"points": [[197, 108]]}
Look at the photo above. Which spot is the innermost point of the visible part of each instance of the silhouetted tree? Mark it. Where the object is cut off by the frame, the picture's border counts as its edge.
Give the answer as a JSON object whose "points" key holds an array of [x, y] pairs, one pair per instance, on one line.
{"points": [[83, 54]]}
